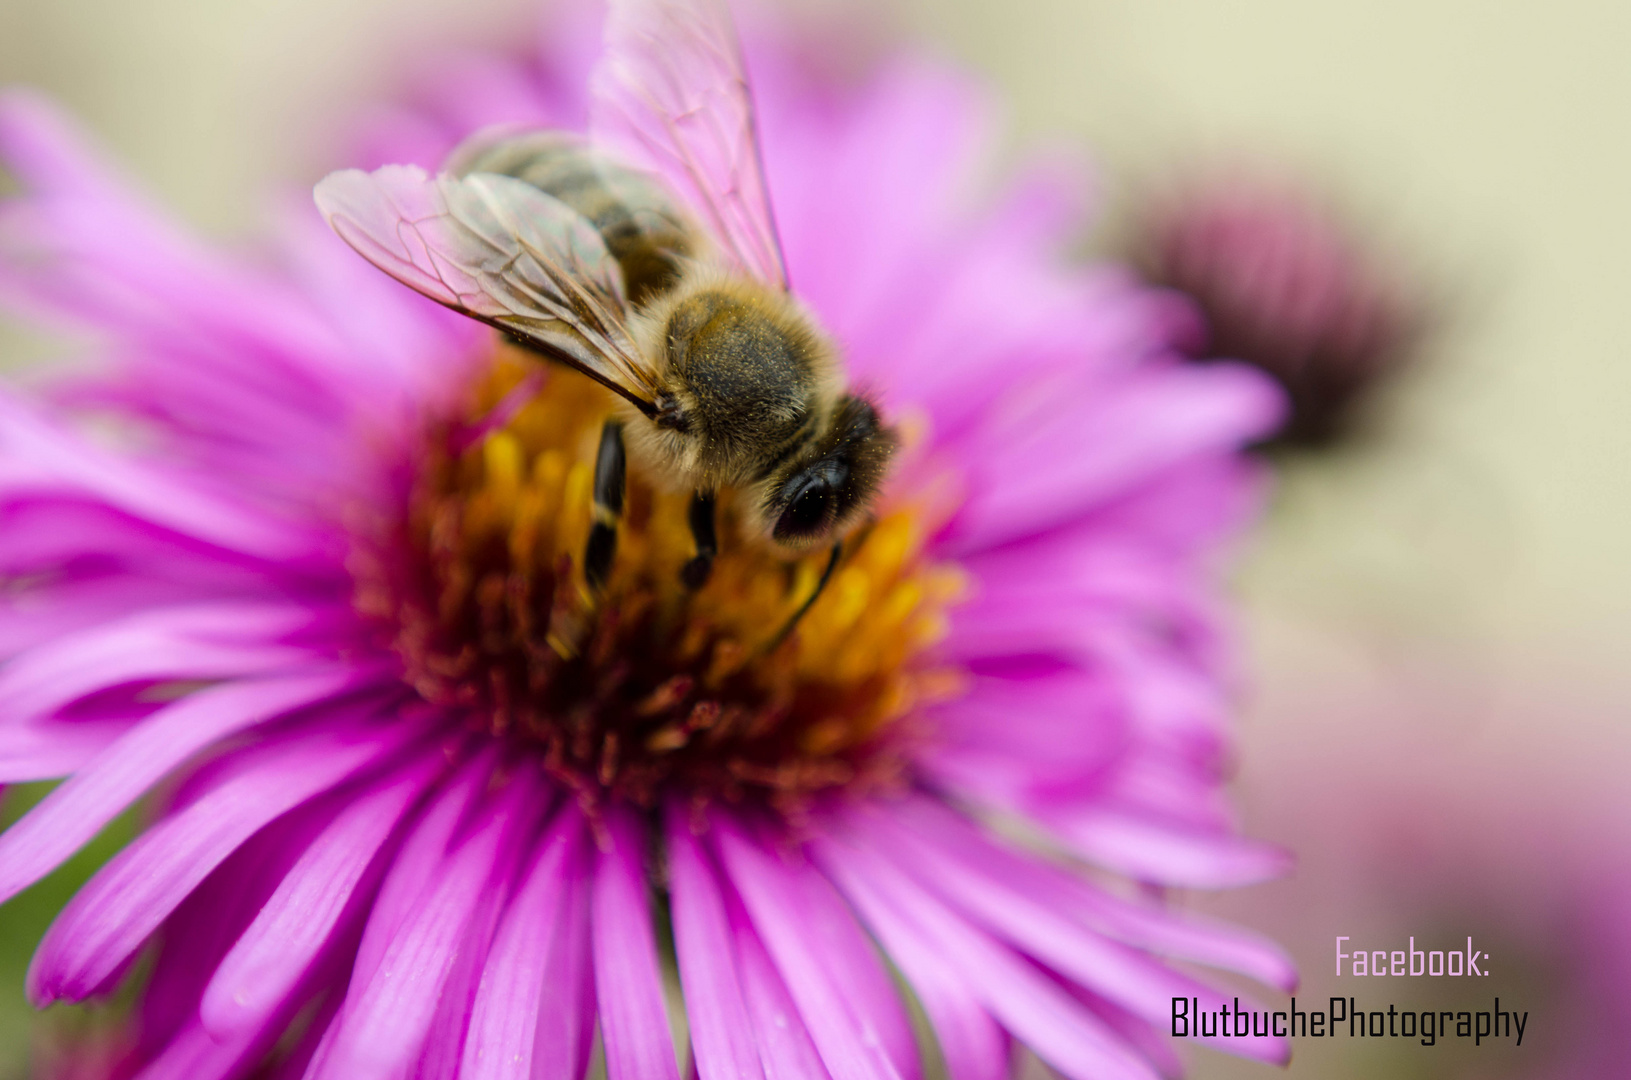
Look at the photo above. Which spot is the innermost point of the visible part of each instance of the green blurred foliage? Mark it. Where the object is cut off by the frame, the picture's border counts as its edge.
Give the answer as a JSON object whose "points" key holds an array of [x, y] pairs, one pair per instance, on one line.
{"points": [[23, 921]]}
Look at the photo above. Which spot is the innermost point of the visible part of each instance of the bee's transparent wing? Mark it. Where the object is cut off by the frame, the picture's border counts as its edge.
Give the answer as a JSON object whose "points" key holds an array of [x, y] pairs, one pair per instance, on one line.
{"points": [[671, 95], [501, 251]]}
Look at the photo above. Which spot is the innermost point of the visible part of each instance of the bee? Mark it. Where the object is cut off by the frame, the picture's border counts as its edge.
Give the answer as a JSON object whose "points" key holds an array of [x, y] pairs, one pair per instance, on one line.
{"points": [[646, 257]]}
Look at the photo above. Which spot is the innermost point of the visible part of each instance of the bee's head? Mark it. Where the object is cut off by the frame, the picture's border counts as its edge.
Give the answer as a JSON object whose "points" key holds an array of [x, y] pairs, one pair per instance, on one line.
{"points": [[821, 492]]}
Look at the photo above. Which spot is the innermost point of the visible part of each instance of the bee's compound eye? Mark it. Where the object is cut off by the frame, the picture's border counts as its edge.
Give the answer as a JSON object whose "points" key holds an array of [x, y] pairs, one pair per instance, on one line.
{"points": [[808, 514]]}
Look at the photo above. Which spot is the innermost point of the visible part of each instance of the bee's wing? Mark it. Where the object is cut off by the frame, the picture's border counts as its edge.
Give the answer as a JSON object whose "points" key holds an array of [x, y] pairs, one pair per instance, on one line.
{"points": [[671, 95], [501, 251]]}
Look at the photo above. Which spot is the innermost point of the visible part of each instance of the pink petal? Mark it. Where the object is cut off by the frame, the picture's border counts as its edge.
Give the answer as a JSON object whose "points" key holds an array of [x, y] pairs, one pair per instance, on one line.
{"points": [[415, 865], [1160, 929], [443, 1051], [721, 1033], [533, 796], [785, 1047], [1023, 734], [387, 1016], [628, 981], [201, 641], [1036, 473], [195, 1054], [76, 811], [1184, 514], [1000, 898], [973, 1046], [55, 530], [1035, 1009], [39, 455], [272, 955], [566, 1019], [895, 170], [52, 748], [47, 150], [843, 1025], [1189, 937], [110, 917], [1155, 851], [102, 240], [524, 968]]}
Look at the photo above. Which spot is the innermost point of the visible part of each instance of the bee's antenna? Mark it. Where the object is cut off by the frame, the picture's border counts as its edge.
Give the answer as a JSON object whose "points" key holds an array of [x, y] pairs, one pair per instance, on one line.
{"points": [[826, 576]]}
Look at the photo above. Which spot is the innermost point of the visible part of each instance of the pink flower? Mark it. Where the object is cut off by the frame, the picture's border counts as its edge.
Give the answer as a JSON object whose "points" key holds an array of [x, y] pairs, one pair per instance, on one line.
{"points": [[1531, 871], [304, 576], [1284, 286]]}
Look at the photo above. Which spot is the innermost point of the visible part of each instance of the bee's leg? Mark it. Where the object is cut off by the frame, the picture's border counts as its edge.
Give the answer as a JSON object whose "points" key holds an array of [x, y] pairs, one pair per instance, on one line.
{"points": [[609, 472], [826, 576], [695, 573]]}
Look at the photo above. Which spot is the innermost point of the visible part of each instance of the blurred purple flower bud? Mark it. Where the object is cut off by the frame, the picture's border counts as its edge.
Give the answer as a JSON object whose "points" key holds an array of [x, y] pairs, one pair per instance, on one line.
{"points": [[1282, 284]]}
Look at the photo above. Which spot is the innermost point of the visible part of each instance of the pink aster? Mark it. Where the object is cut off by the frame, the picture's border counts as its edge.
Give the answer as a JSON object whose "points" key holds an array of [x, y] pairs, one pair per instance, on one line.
{"points": [[289, 557]]}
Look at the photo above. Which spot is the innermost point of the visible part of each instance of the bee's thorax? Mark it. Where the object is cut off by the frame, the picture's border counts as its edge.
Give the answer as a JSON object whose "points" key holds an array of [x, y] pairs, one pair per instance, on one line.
{"points": [[746, 380]]}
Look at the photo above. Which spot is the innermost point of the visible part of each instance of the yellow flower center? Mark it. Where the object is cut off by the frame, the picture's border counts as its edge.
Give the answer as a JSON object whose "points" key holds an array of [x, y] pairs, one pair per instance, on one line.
{"points": [[649, 687]]}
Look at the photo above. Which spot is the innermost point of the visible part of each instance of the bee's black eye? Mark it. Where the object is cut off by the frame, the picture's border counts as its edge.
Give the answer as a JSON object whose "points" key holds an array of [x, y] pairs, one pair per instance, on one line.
{"points": [[827, 491], [809, 512]]}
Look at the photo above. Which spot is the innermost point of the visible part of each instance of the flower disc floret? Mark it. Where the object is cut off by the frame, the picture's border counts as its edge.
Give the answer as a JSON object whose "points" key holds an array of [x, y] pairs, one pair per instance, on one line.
{"points": [[648, 686]]}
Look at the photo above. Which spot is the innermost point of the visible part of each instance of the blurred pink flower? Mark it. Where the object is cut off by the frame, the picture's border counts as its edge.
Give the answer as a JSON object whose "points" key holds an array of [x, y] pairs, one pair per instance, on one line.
{"points": [[1282, 285], [1559, 941], [361, 877]]}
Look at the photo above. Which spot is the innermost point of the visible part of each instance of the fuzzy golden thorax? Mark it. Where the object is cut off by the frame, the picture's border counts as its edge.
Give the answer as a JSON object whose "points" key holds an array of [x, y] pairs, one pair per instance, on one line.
{"points": [[752, 397]]}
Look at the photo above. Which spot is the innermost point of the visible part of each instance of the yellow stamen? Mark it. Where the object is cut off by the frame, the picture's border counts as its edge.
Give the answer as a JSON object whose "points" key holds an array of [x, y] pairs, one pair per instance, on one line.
{"points": [[648, 687]]}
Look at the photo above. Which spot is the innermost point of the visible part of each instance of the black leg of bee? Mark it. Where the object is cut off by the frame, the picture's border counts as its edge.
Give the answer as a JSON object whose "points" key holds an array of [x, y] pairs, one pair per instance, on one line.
{"points": [[609, 470], [695, 573], [826, 576]]}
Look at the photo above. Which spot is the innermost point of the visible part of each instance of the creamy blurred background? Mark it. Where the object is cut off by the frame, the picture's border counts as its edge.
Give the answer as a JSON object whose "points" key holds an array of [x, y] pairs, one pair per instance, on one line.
{"points": [[1438, 618]]}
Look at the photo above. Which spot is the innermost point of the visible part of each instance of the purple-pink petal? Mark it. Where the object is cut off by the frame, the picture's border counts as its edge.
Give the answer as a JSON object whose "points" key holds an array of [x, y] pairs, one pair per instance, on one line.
{"points": [[196, 1054], [206, 641], [1153, 851], [1038, 471], [721, 1032], [72, 814], [443, 1051], [1159, 928], [843, 1029], [628, 981], [51, 748], [566, 1019], [276, 950], [973, 1045], [417, 862], [1012, 901], [1061, 1031], [39, 456], [389, 1010], [110, 917], [520, 978], [785, 1048]]}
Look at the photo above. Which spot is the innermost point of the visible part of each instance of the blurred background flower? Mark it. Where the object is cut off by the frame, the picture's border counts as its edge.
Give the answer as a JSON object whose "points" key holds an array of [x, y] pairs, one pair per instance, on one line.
{"points": [[1283, 284], [1512, 854]]}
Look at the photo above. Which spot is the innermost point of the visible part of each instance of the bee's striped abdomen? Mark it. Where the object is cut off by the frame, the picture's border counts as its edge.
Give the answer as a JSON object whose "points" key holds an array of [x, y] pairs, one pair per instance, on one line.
{"points": [[642, 230]]}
